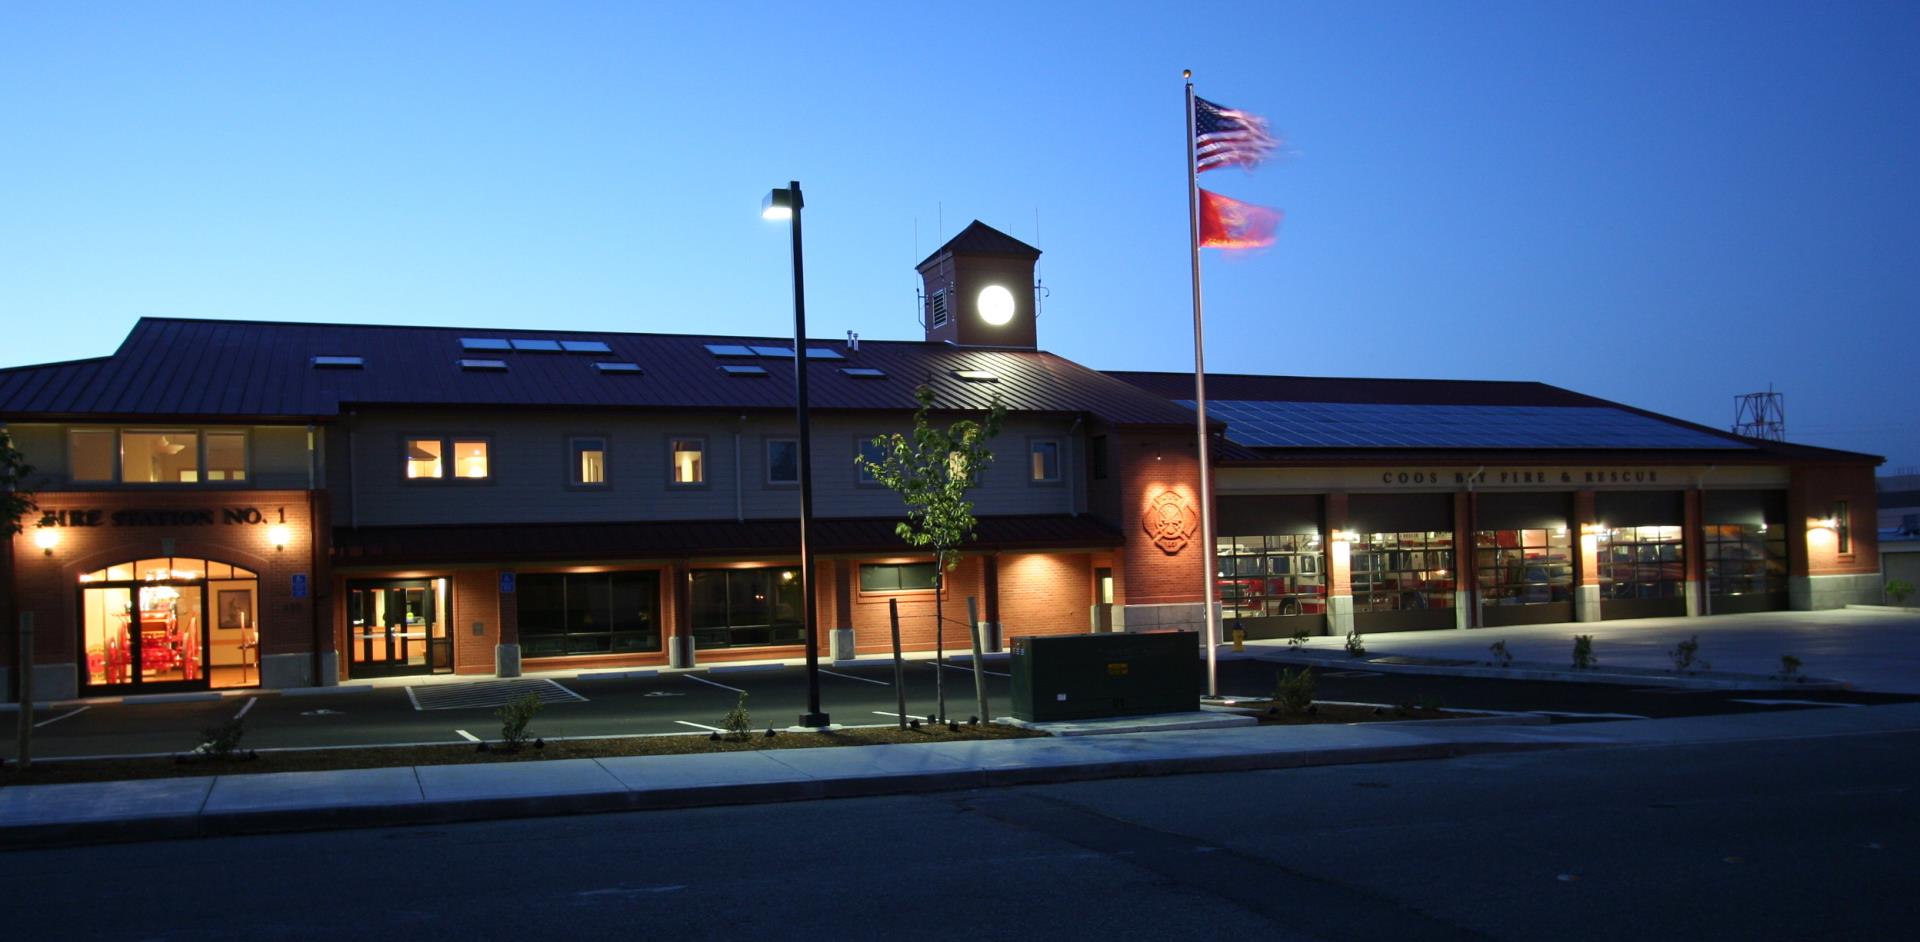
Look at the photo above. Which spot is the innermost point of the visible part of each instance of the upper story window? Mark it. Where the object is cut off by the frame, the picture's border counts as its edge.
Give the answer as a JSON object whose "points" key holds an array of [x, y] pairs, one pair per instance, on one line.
{"points": [[689, 461], [589, 461], [1098, 457], [424, 458], [869, 452], [783, 461], [470, 458], [171, 456], [461, 458], [1043, 460]]}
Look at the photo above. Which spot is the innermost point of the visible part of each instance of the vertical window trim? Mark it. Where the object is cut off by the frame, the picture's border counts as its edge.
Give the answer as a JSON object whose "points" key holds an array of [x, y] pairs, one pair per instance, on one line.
{"points": [[706, 463], [766, 454], [570, 454]]}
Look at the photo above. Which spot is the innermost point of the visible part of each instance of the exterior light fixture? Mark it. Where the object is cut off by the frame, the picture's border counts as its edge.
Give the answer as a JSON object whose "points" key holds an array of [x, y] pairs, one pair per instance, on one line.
{"points": [[780, 203], [278, 535], [46, 538], [1826, 523], [996, 305]]}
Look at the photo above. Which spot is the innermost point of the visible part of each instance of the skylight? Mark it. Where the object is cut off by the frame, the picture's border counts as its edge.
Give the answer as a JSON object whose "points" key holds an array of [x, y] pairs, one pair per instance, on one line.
{"points": [[617, 367], [729, 350], [537, 346], [484, 343], [585, 346], [733, 369], [786, 352], [338, 363], [495, 366], [863, 372], [978, 376], [822, 353]]}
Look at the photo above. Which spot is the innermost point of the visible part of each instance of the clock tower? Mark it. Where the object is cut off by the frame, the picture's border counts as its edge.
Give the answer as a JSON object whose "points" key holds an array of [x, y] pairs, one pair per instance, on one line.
{"points": [[977, 290]]}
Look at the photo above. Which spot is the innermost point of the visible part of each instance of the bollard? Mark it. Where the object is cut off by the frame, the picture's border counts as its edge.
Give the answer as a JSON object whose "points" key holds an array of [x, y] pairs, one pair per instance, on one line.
{"points": [[25, 740], [1239, 639]]}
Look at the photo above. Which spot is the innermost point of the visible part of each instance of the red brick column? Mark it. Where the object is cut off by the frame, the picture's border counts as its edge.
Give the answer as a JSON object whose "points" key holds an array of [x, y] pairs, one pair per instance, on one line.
{"points": [[1466, 584], [1339, 567], [1586, 563], [1692, 548]]}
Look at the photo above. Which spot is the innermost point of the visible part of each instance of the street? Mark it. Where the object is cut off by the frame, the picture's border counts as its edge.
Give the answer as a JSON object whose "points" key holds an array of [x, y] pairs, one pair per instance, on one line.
{"points": [[1786, 839]]}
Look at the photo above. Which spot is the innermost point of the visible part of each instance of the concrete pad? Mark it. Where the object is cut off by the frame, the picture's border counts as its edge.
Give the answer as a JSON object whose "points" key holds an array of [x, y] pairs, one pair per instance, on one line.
{"points": [[864, 762], [280, 791], [536, 779], [1163, 722], [27, 806], [170, 698], [651, 773], [324, 691]]}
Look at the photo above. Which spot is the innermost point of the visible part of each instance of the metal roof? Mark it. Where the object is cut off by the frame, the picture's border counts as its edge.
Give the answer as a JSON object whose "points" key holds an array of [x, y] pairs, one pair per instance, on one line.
{"points": [[186, 368], [978, 238]]}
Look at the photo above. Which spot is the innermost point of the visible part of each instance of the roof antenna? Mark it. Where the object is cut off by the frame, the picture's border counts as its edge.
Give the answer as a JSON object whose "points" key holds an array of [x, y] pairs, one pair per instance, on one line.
{"points": [[1040, 291]]}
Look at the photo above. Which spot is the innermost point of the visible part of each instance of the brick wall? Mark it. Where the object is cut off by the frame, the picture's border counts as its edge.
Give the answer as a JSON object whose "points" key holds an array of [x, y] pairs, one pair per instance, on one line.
{"points": [[476, 598], [1045, 593], [871, 632], [1149, 467], [1811, 496]]}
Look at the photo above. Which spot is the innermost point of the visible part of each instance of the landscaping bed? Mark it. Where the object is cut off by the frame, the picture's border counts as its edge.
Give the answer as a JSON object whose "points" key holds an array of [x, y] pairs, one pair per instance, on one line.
{"points": [[60, 771]]}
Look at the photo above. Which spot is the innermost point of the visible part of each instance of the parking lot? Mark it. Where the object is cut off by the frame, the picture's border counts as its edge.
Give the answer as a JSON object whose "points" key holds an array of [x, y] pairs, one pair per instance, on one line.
{"points": [[662, 703]]}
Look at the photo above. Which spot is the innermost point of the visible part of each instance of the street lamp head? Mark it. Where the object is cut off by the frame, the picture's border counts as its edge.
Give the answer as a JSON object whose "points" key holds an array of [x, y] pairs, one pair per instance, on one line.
{"points": [[780, 204]]}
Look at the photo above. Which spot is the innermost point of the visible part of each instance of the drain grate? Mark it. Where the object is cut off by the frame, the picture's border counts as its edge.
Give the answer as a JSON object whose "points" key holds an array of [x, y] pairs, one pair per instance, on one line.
{"points": [[486, 694]]}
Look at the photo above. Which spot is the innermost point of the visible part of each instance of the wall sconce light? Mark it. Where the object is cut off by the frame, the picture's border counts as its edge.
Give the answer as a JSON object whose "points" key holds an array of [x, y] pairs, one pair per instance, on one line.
{"points": [[278, 535], [1824, 523], [46, 538]]}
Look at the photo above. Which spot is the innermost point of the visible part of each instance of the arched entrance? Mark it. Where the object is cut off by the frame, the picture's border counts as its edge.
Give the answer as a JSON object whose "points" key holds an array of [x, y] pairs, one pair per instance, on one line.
{"points": [[169, 623]]}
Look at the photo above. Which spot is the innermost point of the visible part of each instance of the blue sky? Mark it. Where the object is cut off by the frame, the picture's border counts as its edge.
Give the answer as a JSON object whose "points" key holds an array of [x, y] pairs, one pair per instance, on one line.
{"points": [[1660, 203]]}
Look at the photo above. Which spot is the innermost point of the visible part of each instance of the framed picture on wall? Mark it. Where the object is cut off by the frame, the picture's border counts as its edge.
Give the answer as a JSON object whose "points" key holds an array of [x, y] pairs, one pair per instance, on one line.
{"points": [[235, 606]]}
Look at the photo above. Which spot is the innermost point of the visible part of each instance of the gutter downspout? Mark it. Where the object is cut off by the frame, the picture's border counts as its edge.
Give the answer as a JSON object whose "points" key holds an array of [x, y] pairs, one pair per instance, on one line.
{"points": [[739, 505], [1465, 566], [1073, 479], [313, 555], [353, 500]]}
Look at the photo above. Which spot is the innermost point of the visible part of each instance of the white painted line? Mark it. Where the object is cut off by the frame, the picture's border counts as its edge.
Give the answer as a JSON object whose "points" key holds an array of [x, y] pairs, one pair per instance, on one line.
{"points": [[957, 667], [864, 680], [1590, 716], [467, 736], [1355, 674], [714, 729], [56, 719], [243, 710], [410, 696], [744, 668], [1827, 703], [569, 691], [711, 683]]}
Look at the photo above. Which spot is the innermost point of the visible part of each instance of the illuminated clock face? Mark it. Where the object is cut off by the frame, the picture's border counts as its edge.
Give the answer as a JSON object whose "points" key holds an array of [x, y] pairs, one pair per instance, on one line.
{"points": [[996, 305]]}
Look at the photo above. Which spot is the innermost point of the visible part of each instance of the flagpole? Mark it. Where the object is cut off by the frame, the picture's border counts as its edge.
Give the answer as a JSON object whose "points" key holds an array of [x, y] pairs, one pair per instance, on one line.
{"points": [[1207, 545]]}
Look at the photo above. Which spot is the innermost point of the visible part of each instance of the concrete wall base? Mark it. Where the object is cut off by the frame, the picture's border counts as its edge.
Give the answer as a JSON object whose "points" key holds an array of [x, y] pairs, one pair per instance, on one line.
{"points": [[1463, 614], [1339, 615], [1696, 599], [680, 651], [1815, 593], [1176, 616], [280, 671], [329, 669], [1586, 603], [55, 682], [842, 644], [989, 637], [506, 660]]}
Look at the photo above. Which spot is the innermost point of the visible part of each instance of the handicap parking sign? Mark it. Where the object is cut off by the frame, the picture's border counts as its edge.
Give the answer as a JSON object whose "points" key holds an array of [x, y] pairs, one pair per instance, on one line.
{"points": [[299, 585], [506, 583]]}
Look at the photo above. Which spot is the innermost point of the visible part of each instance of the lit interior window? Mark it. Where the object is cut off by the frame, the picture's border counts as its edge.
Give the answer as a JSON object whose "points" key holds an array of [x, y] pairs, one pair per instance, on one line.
{"points": [[159, 457], [590, 461], [470, 459], [226, 456], [423, 458], [1046, 461], [687, 463]]}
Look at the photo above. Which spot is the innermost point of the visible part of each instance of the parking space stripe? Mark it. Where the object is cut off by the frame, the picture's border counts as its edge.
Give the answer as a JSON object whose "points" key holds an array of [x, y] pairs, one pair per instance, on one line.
{"points": [[243, 710], [957, 667], [56, 719], [712, 684], [1825, 703], [712, 729], [864, 680], [467, 736]]}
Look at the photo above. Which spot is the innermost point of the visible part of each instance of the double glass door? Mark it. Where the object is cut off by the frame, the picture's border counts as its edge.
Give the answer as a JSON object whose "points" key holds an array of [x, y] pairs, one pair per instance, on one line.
{"points": [[397, 627], [144, 635]]}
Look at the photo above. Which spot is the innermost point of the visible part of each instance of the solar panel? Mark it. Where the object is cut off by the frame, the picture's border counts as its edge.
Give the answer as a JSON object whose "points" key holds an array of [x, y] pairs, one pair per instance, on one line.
{"points": [[338, 363], [1265, 424], [537, 346], [616, 367], [493, 366], [733, 369], [585, 346], [484, 343], [729, 350]]}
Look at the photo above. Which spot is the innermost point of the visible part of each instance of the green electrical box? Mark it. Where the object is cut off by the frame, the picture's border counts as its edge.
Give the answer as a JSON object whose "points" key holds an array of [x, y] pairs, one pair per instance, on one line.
{"points": [[1093, 676]]}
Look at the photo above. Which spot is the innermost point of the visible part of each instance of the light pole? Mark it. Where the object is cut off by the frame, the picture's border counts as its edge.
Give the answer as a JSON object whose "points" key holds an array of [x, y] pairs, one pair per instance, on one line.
{"points": [[785, 203]]}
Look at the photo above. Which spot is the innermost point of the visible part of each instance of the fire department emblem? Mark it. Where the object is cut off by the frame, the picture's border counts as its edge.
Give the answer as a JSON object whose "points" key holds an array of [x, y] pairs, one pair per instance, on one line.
{"points": [[1170, 522]]}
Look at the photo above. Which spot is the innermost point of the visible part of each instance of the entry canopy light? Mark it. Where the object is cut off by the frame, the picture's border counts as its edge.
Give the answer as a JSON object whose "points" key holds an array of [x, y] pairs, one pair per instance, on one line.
{"points": [[780, 204], [279, 536]]}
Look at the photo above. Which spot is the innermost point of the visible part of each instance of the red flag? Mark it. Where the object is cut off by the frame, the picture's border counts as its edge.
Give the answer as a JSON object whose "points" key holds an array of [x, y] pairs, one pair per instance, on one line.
{"points": [[1231, 224]]}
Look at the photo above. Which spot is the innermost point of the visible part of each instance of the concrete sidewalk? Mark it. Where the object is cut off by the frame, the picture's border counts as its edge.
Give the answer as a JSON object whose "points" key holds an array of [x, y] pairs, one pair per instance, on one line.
{"points": [[41, 815]]}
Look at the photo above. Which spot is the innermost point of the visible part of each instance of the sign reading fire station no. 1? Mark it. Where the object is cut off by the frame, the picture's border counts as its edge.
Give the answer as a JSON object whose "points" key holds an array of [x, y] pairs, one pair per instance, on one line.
{"points": [[203, 517]]}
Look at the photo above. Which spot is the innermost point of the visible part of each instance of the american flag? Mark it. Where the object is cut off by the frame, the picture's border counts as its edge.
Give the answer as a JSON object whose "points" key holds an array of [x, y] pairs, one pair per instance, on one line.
{"points": [[1225, 137]]}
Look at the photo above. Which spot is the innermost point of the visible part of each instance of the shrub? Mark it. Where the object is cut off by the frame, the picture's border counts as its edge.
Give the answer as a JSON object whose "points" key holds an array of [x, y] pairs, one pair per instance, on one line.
{"points": [[1898, 590], [1298, 638], [1293, 693], [1583, 658], [514, 719], [1685, 653], [738, 722], [1789, 667], [1356, 646], [1501, 656], [223, 741]]}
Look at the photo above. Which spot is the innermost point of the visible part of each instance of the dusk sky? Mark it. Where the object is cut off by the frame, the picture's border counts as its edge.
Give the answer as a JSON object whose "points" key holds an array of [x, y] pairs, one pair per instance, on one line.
{"points": [[1660, 203]]}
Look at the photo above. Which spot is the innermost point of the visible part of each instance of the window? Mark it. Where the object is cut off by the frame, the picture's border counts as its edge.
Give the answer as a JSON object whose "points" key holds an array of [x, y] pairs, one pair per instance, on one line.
{"points": [[689, 465], [90, 455], [588, 613], [783, 461], [1842, 527], [896, 577], [1044, 459], [1641, 563], [1098, 457], [423, 458], [589, 460], [159, 457], [226, 456], [1523, 567], [869, 452], [1745, 559], [1271, 576], [1396, 571], [735, 608], [338, 362], [470, 459]]}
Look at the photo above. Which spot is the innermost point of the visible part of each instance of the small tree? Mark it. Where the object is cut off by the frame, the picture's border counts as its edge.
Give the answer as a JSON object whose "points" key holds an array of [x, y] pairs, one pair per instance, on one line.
{"points": [[932, 470], [15, 501]]}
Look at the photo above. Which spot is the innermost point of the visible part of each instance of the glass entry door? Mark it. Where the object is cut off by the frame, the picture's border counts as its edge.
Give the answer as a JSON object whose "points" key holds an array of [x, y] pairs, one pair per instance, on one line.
{"points": [[144, 635], [397, 627]]}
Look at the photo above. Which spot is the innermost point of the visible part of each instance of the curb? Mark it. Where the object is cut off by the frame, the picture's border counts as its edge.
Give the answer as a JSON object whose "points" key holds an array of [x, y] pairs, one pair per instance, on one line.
{"points": [[33, 836], [1557, 675]]}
